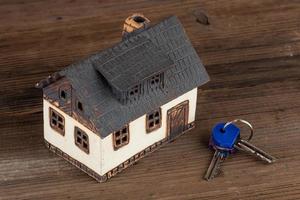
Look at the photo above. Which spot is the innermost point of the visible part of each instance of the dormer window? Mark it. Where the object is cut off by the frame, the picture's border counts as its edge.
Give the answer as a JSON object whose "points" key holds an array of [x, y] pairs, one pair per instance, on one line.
{"points": [[134, 93], [135, 90], [156, 81]]}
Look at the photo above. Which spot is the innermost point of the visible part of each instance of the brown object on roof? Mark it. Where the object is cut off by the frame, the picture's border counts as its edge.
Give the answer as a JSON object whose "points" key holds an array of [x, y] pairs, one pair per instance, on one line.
{"points": [[135, 22]]}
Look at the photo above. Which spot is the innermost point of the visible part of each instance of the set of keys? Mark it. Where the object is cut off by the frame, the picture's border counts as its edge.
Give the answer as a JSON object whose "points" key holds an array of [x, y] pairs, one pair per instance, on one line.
{"points": [[225, 140]]}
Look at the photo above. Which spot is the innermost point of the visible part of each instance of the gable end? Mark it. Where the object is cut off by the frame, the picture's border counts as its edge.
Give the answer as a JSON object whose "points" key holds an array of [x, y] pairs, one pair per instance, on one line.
{"points": [[62, 95]]}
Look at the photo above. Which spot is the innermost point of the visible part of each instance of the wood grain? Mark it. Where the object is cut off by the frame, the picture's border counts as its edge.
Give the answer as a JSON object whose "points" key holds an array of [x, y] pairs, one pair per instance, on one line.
{"points": [[251, 50]]}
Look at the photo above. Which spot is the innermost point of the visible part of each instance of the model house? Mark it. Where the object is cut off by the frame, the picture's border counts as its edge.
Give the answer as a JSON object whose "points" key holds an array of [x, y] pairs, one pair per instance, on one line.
{"points": [[106, 112]]}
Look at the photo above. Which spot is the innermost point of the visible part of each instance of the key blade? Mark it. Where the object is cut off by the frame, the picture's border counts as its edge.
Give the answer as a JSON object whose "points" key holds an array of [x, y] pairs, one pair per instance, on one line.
{"points": [[214, 165], [245, 146]]}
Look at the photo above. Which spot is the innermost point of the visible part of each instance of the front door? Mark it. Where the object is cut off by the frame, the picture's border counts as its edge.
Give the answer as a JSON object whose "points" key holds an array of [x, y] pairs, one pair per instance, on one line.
{"points": [[178, 119]]}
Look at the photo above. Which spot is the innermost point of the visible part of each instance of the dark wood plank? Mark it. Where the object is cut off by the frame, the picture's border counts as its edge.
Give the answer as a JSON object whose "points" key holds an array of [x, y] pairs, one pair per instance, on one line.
{"points": [[252, 53]]}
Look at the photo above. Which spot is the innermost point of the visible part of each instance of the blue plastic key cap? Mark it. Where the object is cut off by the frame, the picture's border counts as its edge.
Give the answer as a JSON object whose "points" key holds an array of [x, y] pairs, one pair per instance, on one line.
{"points": [[225, 138]]}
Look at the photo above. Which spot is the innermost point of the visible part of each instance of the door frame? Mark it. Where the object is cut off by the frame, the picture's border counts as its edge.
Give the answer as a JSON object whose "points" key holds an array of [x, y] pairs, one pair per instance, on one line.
{"points": [[186, 117]]}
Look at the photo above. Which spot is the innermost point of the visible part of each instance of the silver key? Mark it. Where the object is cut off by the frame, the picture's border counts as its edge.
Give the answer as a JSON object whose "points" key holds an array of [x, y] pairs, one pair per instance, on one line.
{"points": [[247, 147], [215, 164]]}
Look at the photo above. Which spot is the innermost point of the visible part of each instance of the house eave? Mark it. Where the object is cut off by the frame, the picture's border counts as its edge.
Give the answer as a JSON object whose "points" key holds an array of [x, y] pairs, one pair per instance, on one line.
{"points": [[48, 81]]}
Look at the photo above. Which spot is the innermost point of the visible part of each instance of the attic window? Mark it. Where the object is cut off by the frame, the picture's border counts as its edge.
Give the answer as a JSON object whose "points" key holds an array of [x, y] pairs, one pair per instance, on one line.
{"points": [[134, 92], [81, 139], [62, 94], [79, 106], [156, 81], [121, 137], [153, 121], [57, 121]]}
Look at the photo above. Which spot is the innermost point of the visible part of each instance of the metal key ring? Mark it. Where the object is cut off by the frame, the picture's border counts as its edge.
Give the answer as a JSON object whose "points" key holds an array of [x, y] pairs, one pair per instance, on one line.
{"points": [[242, 121]]}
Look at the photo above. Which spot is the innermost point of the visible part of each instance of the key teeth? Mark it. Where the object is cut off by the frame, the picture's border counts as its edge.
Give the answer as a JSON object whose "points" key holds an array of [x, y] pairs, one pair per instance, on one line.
{"points": [[213, 175], [216, 173], [215, 165], [251, 149]]}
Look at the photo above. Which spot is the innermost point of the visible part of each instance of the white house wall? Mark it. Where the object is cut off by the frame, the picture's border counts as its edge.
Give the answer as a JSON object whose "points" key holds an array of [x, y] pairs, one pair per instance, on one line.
{"points": [[67, 144], [139, 139]]}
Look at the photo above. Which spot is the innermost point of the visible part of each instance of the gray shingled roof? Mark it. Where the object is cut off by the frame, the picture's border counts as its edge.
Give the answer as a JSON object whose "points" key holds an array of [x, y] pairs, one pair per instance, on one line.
{"points": [[103, 109], [134, 60]]}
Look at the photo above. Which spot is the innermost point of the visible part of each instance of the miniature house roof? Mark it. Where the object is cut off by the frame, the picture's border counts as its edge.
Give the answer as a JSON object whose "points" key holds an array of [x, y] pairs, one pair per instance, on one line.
{"points": [[161, 48]]}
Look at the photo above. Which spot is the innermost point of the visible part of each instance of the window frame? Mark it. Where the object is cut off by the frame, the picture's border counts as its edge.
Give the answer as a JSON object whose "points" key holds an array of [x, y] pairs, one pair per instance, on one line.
{"points": [[115, 137], [148, 120], [80, 145], [56, 126]]}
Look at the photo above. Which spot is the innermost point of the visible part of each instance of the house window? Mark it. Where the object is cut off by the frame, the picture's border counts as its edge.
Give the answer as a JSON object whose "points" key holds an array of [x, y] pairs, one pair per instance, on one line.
{"points": [[153, 121], [81, 139], [134, 92], [121, 137], [57, 121], [156, 81], [62, 94], [79, 106]]}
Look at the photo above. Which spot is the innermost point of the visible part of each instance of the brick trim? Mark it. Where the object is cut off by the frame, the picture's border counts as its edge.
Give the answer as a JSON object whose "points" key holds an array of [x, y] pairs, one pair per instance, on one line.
{"points": [[120, 167], [76, 163]]}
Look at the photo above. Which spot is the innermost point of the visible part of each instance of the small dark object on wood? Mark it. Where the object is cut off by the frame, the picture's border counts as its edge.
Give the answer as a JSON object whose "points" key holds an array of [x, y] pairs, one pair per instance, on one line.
{"points": [[201, 17]]}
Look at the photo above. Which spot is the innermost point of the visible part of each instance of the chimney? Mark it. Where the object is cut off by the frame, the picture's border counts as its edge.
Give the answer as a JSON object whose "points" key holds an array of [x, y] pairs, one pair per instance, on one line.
{"points": [[135, 22]]}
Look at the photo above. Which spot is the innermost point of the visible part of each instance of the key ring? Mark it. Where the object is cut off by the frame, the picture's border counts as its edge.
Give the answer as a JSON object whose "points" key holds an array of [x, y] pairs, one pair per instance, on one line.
{"points": [[244, 122]]}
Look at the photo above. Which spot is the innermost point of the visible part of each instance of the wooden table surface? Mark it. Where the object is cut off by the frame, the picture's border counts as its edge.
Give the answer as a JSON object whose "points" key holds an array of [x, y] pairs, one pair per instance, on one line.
{"points": [[251, 50]]}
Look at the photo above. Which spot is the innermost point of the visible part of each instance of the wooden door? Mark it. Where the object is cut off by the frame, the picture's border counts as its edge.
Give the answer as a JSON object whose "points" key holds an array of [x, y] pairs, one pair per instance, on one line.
{"points": [[177, 119]]}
